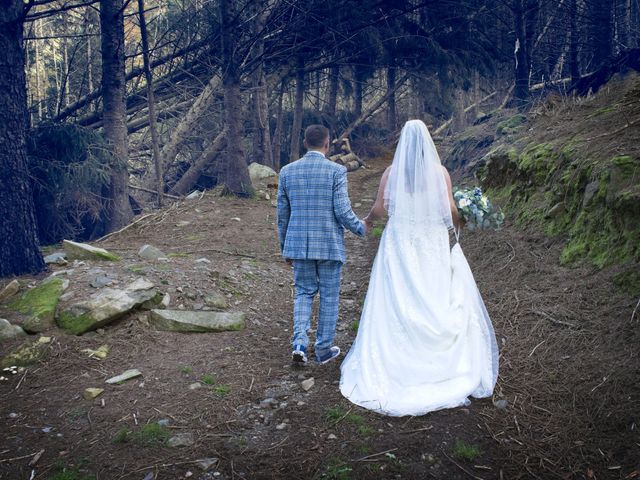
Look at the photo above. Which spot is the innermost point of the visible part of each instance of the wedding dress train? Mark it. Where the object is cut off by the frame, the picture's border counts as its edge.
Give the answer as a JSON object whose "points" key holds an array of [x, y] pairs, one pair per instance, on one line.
{"points": [[425, 341]]}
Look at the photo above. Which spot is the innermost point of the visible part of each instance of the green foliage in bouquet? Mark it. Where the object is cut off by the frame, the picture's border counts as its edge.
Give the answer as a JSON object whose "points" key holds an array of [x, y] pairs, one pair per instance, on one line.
{"points": [[476, 209]]}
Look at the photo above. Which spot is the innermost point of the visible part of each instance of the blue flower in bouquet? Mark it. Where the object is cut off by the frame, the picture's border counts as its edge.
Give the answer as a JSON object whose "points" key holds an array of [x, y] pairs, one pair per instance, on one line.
{"points": [[476, 209]]}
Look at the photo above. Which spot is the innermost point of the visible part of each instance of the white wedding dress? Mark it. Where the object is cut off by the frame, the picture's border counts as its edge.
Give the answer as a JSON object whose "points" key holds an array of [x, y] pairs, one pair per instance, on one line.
{"points": [[425, 341]]}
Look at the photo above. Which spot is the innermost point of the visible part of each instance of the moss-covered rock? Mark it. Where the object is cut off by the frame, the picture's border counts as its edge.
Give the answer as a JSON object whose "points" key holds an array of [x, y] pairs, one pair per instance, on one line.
{"points": [[27, 354], [84, 251], [105, 306], [40, 304], [594, 202]]}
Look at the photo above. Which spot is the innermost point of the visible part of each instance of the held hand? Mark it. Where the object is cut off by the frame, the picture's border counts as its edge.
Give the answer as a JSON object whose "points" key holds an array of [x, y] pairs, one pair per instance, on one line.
{"points": [[368, 225]]}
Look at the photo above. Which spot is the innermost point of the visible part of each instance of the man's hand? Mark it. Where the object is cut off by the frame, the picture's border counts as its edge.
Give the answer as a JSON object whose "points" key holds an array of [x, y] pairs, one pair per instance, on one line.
{"points": [[368, 226]]}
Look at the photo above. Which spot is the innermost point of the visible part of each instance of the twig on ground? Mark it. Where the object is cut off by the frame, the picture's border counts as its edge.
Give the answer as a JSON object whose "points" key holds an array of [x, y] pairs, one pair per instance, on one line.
{"points": [[126, 227], [7, 460], [21, 380], [461, 467], [416, 430], [635, 310], [553, 320], [362, 459]]}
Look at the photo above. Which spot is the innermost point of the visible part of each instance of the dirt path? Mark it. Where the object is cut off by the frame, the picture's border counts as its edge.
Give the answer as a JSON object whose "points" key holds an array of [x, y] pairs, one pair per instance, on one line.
{"points": [[561, 332]]}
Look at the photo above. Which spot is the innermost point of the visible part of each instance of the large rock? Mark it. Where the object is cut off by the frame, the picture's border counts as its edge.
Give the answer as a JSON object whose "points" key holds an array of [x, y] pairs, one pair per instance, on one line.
{"points": [[260, 174], [215, 300], [40, 303], [9, 291], [106, 306], [150, 252], [7, 330], [84, 251], [58, 258], [187, 321]]}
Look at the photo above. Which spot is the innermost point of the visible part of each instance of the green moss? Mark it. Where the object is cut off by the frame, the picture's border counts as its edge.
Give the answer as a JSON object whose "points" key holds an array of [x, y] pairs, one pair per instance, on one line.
{"points": [[377, 232], [148, 435], [628, 165], [208, 379], [75, 324], [179, 254], [40, 304], [537, 163], [511, 124], [138, 269], [27, 354]]}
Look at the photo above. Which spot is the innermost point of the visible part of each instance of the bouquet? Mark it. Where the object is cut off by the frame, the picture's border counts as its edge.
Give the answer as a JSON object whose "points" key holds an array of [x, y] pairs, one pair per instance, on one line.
{"points": [[476, 209]]}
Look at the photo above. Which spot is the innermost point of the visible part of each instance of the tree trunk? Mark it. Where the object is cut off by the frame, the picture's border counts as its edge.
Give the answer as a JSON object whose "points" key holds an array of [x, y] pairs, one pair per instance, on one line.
{"points": [[574, 69], [358, 75], [296, 128], [234, 173], [114, 111], [277, 134], [153, 128], [262, 134], [187, 123], [330, 108], [521, 67], [206, 158], [19, 252], [391, 103], [601, 31]]}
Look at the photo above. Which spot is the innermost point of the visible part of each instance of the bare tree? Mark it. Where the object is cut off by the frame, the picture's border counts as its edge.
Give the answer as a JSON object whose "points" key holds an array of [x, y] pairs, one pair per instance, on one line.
{"points": [[114, 112], [19, 252]]}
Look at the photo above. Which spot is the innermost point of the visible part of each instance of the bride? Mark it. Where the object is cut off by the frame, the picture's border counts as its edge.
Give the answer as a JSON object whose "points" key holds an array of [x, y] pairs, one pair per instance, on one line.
{"points": [[425, 341]]}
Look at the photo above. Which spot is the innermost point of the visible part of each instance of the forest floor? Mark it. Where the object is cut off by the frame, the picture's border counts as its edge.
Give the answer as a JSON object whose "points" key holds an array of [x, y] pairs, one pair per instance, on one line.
{"points": [[568, 389]]}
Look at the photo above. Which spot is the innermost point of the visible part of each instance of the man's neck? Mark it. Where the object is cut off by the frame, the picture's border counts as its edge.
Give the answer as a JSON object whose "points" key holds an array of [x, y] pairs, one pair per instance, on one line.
{"points": [[311, 150]]}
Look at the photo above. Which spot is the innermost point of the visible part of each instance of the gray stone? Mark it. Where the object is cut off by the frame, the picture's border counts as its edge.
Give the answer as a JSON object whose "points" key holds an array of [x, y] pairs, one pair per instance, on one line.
{"points": [[308, 384], [84, 251], [558, 209], [58, 258], [9, 291], [215, 300], [150, 252], [195, 386], [260, 174], [501, 404], [281, 426], [105, 306], [206, 463], [331, 436], [203, 260], [589, 192], [166, 300], [189, 321], [124, 376], [101, 281], [164, 422], [7, 330], [182, 440], [269, 402]]}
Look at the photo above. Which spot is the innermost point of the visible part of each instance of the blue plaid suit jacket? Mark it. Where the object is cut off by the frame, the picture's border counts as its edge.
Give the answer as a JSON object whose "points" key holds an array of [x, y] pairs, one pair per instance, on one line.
{"points": [[314, 209]]}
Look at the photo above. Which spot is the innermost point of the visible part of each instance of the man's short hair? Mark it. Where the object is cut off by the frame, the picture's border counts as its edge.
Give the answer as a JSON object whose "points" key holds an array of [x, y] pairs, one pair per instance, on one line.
{"points": [[316, 136]]}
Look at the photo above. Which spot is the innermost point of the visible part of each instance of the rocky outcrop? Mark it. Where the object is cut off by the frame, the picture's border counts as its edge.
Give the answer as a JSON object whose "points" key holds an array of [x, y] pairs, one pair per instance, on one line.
{"points": [[39, 304], [106, 306], [84, 251]]}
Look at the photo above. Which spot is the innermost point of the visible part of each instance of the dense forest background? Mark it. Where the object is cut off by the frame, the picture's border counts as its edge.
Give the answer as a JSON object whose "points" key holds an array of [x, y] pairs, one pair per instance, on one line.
{"points": [[110, 105]]}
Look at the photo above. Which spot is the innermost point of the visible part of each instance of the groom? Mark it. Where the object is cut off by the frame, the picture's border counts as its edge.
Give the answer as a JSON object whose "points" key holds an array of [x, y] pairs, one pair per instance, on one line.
{"points": [[313, 211]]}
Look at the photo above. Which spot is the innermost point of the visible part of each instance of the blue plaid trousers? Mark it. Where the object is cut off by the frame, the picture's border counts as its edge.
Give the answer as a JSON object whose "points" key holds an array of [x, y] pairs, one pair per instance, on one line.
{"points": [[311, 277]]}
